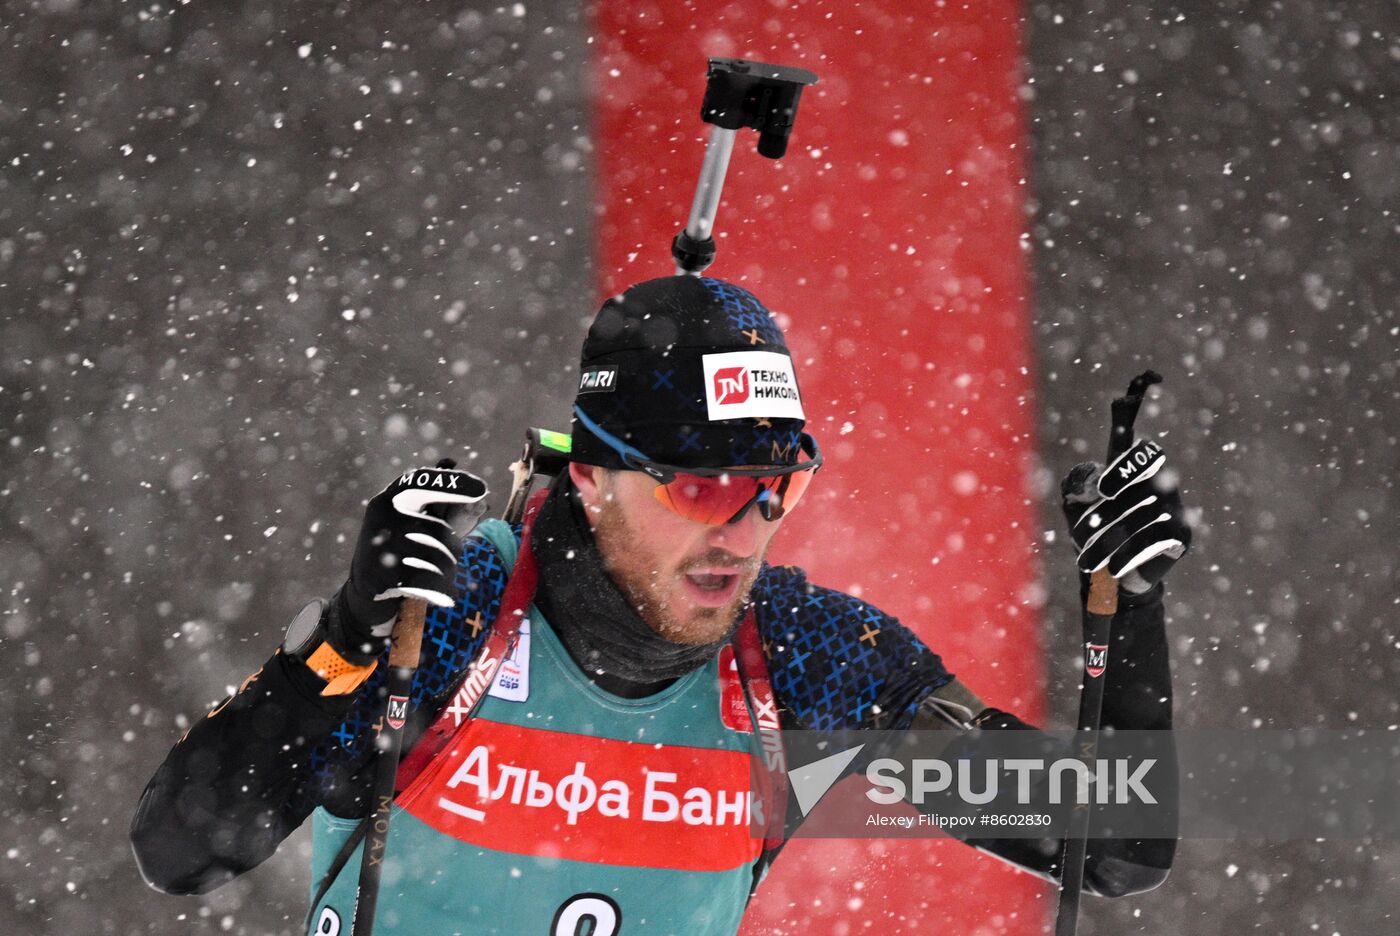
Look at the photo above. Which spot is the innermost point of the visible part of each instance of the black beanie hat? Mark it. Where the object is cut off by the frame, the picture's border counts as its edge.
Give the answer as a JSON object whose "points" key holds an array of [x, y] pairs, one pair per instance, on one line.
{"points": [[688, 371]]}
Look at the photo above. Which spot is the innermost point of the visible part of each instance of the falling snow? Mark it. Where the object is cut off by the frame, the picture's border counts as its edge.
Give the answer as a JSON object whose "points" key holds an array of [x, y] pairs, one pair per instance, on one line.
{"points": [[255, 260]]}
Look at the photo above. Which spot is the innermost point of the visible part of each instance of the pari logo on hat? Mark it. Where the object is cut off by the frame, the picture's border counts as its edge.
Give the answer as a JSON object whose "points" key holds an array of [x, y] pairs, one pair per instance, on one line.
{"points": [[598, 380], [758, 384]]}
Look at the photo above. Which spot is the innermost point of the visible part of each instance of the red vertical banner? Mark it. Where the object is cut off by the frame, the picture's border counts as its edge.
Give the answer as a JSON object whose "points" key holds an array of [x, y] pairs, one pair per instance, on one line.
{"points": [[888, 239]]}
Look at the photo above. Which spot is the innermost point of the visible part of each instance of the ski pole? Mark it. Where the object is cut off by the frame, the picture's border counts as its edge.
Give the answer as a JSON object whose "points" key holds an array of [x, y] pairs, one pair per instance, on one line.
{"points": [[404, 645], [545, 453], [738, 93], [404, 648], [1099, 608]]}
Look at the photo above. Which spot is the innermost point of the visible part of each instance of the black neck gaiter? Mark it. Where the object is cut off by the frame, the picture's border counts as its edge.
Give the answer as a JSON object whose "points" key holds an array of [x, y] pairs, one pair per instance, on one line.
{"points": [[593, 618]]}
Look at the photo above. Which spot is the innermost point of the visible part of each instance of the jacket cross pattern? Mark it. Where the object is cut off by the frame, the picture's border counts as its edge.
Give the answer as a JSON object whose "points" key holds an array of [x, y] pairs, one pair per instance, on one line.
{"points": [[251, 772]]}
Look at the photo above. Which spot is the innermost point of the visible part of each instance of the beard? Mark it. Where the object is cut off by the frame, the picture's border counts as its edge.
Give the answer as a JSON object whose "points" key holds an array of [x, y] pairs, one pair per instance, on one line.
{"points": [[648, 588]]}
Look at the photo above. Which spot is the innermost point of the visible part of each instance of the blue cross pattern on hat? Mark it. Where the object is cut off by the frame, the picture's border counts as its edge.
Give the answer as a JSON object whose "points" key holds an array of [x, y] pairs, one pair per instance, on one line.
{"points": [[689, 371]]}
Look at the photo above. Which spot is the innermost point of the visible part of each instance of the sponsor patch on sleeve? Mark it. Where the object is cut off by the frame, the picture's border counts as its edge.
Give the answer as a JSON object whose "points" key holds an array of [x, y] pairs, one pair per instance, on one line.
{"points": [[758, 384]]}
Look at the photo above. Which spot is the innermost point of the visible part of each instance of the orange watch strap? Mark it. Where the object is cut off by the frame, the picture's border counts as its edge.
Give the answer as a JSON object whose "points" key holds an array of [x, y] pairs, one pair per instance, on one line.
{"points": [[342, 677]]}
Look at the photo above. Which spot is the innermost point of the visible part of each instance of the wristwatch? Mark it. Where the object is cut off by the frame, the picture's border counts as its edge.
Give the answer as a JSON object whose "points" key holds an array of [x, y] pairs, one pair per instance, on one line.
{"points": [[305, 629], [306, 641]]}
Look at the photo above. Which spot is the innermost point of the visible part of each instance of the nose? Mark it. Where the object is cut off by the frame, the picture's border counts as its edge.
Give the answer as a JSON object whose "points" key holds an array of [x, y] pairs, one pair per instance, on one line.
{"points": [[738, 539]]}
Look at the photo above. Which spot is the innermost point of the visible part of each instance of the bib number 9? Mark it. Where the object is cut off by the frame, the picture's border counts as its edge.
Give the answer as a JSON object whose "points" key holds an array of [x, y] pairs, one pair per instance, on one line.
{"points": [[602, 912]]}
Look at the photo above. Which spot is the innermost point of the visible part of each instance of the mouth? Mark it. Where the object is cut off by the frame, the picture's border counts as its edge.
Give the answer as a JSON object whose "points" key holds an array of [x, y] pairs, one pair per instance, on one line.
{"points": [[711, 587]]}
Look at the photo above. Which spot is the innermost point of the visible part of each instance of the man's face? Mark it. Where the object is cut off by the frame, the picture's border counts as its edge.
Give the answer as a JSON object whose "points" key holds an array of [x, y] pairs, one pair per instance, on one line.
{"points": [[687, 580]]}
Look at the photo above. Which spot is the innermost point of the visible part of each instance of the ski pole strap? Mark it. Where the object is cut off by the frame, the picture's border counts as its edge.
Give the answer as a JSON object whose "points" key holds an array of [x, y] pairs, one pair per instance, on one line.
{"points": [[500, 643], [341, 858], [753, 670]]}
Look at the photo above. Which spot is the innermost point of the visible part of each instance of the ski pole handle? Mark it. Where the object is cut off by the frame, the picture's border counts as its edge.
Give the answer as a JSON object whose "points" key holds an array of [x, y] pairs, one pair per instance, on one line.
{"points": [[1103, 596], [406, 642], [1125, 410]]}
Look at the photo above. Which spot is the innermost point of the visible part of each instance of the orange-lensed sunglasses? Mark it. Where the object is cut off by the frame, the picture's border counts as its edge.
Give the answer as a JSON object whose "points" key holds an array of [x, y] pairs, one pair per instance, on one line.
{"points": [[717, 496]]}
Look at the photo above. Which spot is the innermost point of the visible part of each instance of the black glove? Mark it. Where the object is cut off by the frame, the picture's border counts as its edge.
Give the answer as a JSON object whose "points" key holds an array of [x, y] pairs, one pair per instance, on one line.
{"points": [[408, 547], [1127, 516]]}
